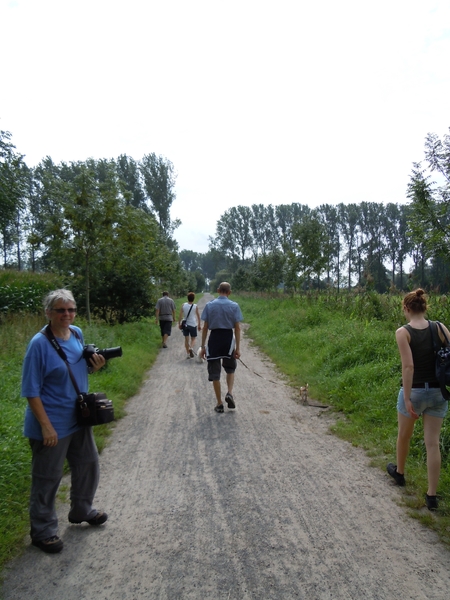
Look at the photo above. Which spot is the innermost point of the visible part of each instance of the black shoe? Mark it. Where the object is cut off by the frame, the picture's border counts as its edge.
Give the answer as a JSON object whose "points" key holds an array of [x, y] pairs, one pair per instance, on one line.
{"points": [[230, 400], [399, 478], [52, 545], [431, 502], [219, 408], [99, 519]]}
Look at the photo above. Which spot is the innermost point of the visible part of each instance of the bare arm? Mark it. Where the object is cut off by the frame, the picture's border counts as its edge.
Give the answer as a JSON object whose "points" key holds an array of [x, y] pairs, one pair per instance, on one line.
{"points": [[204, 336], [237, 335], [403, 338], [447, 333], [199, 327]]}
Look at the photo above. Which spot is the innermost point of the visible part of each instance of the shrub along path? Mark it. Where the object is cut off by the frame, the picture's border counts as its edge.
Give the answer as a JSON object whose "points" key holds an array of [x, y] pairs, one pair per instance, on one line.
{"points": [[256, 503]]}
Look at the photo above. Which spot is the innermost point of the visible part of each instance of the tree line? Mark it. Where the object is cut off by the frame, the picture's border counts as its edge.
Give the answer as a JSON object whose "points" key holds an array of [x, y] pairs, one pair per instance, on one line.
{"points": [[103, 224], [106, 225], [366, 246]]}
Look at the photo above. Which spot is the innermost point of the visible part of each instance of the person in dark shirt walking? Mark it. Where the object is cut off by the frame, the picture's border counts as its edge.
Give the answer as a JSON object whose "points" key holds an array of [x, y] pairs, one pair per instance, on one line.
{"points": [[165, 315], [420, 394]]}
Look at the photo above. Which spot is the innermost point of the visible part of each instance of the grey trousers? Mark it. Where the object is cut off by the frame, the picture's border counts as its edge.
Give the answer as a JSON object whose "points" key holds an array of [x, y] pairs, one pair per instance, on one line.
{"points": [[46, 472]]}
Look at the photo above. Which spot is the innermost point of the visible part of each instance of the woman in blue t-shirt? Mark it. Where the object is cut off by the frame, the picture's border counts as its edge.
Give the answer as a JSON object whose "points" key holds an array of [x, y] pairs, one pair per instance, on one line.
{"points": [[51, 424]]}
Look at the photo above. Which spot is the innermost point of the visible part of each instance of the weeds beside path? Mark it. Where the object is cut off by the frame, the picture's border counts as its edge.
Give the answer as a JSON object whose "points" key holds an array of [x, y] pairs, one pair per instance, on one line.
{"points": [[255, 503]]}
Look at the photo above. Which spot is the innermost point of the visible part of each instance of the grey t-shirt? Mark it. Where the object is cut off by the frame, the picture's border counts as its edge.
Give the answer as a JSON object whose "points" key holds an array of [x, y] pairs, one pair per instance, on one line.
{"points": [[166, 306]]}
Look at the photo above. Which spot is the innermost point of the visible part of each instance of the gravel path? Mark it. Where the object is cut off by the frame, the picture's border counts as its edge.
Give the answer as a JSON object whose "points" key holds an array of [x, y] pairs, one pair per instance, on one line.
{"points": [[256, 503]]}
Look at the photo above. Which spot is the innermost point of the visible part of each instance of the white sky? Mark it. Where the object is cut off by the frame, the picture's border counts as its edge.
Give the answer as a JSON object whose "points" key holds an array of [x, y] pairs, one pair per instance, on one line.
{"points": [[254, 101]]}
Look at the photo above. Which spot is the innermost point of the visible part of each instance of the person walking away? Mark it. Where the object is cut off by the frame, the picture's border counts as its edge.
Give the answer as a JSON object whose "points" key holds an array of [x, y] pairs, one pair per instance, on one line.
{"points": [[51, 424], [189, 312], [165, 315], [420, 393], [222, 317]]}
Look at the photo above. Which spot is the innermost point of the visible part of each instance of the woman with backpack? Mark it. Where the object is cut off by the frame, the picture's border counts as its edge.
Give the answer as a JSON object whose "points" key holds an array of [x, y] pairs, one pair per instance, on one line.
{"points": [[420, 393]]}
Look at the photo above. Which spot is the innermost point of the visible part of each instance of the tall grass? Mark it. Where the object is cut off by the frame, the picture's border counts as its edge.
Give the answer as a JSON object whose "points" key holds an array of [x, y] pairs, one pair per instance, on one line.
{"points": [[344, 347]]}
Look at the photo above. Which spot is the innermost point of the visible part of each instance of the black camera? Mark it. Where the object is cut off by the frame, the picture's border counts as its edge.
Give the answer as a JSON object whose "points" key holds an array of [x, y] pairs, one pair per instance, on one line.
{"points": [[89, 350]]}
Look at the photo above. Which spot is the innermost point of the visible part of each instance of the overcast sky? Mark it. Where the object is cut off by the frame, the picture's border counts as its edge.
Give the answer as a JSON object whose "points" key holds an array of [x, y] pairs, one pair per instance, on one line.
{"points": [[254, 101]]}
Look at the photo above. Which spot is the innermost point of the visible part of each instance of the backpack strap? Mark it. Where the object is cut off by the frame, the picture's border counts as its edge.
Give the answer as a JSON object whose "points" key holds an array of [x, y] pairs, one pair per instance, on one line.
{"points": [[437, 341], [443, 333], [440, 356]]}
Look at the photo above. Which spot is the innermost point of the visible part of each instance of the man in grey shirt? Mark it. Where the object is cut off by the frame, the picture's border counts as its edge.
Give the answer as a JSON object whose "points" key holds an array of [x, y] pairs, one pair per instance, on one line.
{"points": [[165, 314]]}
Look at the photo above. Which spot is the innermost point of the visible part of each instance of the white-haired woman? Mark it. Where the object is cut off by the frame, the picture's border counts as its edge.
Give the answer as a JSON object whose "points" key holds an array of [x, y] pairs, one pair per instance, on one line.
{"points": [[51, 424]]}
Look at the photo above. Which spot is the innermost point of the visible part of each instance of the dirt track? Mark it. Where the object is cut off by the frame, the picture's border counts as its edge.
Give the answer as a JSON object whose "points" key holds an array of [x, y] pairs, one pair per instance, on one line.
{"points": [[257, 503]]}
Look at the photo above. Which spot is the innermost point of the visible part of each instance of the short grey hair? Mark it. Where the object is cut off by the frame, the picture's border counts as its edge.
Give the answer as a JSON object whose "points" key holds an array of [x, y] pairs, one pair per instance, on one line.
{"points": [[52, 298]]}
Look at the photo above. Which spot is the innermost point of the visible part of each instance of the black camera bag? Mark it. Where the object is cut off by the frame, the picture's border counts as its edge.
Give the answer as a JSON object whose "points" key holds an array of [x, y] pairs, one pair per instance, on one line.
{"points": [[92, 409]]}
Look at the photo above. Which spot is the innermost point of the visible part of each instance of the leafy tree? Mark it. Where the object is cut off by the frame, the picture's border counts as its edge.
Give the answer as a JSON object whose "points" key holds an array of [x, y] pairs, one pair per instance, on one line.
{"points": [[267, 272], [130, 177], [159, 182], [13, 178], [90, 217], [348, 224], [264, 229], [124, 288], [329, 217], [288, 215], [233, 233], [190, 260], [212, 262], [397, 242], [430, 202], [200, 281], [311, 242]]}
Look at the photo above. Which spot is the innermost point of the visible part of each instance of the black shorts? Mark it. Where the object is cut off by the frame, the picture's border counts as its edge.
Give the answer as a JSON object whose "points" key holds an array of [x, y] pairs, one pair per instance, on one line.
{"points": [[190, 330], [166, 327], [214, 367], [220, 353]]}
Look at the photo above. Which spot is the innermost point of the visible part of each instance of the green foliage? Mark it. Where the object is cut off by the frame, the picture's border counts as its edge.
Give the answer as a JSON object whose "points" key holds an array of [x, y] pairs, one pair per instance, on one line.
{"points": [[24, 292], [430, 215], [159, 181]]}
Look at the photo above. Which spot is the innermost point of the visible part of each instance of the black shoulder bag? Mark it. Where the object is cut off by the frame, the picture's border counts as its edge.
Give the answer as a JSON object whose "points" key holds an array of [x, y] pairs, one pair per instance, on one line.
{"points": [[92, 409], [183, 322], [442, 353]]}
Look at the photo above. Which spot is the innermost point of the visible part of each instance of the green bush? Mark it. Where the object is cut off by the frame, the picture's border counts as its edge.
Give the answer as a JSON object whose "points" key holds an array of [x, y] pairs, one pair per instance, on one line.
{"points": [[22, 291]]}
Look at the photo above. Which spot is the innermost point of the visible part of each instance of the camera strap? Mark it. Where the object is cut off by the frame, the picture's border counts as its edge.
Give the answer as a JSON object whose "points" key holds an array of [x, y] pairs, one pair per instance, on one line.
{"points": [[54, 342]]}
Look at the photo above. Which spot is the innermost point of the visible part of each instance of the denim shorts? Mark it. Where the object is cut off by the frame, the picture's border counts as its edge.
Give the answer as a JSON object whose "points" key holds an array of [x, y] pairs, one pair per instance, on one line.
{"points": [[425, 401]]}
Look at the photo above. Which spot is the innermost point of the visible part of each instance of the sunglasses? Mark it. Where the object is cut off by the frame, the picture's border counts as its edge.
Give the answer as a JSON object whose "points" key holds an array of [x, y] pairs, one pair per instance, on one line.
{"points": [[61, 311]]}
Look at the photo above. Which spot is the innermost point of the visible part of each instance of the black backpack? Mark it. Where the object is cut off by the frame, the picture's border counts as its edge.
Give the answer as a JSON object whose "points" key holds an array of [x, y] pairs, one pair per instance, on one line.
{"points": [[442, 354]]}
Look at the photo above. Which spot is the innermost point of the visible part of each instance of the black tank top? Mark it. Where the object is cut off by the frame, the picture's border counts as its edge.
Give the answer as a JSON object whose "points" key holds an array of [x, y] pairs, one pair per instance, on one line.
{"points": [[422, 349]]}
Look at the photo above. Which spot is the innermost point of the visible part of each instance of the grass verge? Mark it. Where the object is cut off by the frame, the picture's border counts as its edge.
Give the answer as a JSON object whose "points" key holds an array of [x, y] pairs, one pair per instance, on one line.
{"points": [[345, 350]]}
